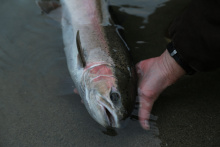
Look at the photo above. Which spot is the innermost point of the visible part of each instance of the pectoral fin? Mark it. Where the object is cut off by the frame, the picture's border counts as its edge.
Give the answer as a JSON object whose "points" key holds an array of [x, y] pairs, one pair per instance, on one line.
{"points": [[48, 5], [80, 50]]}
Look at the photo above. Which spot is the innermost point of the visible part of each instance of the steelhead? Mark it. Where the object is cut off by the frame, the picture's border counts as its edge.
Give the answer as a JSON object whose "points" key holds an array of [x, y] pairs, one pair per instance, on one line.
{"points": [[98, 61]]}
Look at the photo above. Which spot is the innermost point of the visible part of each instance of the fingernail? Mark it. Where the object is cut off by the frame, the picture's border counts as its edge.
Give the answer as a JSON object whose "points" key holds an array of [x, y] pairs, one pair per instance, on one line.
{"points": [[147, 126]]}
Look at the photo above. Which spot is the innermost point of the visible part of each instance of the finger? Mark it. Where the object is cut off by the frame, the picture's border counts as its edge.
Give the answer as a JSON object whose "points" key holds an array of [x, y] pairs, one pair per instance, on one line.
{"points": [[146, 105], [75, 91]]}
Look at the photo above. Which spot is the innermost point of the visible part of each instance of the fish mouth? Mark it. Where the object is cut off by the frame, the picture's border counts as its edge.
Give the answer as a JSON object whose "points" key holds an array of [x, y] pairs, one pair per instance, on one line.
{"points": [[110, 117]]}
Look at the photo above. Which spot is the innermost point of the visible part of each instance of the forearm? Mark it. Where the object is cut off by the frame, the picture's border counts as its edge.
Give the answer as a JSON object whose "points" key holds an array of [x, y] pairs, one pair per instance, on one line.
{"points": [[196, 35]]}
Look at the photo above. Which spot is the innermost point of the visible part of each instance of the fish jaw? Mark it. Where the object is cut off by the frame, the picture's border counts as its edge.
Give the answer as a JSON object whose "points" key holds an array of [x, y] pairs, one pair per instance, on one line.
{"points": [[110, 118]]}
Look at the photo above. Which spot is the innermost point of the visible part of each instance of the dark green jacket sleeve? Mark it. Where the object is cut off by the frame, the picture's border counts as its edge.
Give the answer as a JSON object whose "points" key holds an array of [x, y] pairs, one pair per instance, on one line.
{"points": [[196, 35]]}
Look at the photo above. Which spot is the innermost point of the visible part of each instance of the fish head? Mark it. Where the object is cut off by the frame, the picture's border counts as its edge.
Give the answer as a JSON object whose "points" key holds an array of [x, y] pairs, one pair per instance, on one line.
{"points": [[110, 98]]}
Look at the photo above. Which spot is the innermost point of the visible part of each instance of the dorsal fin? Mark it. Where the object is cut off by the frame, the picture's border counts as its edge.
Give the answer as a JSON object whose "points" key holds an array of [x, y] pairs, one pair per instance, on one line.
{"points": [[80, 50], [48, 5]]}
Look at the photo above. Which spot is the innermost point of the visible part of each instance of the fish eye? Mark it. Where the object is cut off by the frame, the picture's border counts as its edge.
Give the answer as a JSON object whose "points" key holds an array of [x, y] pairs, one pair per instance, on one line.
{"points": [[114, 96]]}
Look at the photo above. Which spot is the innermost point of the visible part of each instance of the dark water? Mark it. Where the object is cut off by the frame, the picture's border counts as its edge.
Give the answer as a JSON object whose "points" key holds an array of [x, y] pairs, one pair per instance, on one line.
{"points": [[37, 103]]}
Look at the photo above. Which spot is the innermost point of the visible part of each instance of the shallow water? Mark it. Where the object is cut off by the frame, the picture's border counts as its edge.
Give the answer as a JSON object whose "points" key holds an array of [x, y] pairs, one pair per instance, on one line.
{"points": [[37, 103]]}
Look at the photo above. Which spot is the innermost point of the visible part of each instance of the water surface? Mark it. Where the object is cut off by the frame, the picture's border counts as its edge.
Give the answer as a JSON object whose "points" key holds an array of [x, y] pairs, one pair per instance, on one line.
{"points": [[37, 103]]}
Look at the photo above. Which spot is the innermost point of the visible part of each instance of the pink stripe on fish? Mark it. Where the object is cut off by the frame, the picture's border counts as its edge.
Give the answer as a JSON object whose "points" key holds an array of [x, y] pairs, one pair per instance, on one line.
{"points": [[96, 21]]}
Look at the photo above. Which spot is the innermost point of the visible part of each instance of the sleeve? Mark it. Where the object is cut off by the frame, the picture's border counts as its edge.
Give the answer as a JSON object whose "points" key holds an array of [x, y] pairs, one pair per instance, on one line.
{"points": [[196, 35]]}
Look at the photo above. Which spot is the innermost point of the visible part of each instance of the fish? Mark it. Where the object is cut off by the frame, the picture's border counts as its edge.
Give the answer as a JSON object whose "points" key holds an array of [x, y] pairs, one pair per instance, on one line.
{"points": [[98, 60]]}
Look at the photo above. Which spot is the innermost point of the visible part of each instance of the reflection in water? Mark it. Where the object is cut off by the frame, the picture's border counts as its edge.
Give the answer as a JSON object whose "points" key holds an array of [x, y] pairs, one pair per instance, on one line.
{"points": [[140, 8]]}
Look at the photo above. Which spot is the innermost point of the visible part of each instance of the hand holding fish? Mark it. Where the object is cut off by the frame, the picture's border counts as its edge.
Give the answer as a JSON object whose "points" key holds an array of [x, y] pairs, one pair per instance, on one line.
{"points": [[155, 75]]}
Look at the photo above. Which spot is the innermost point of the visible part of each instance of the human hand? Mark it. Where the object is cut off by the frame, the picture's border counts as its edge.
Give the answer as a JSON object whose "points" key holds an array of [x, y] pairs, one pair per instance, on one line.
{"points": [[155, 75]]}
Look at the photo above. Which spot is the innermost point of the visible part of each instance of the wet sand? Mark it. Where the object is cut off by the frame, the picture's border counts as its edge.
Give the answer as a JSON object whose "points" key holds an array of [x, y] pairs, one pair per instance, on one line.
{"points": [[37, 103]]}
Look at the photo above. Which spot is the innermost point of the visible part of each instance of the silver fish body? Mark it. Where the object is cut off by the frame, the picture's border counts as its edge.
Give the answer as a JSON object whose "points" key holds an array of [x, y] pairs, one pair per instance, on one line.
{"points": [[106, 82]]}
